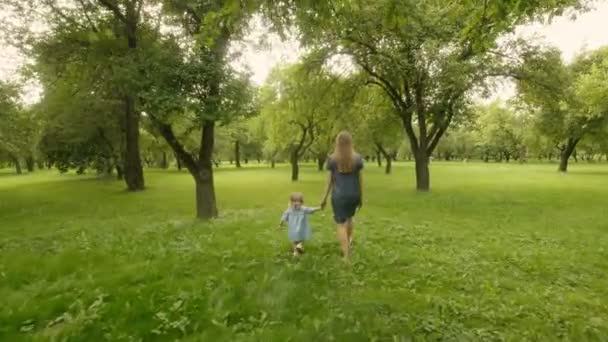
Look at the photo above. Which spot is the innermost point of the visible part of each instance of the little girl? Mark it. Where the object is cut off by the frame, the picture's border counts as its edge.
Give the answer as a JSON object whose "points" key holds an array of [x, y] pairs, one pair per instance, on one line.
{"points": [[298, 226]]}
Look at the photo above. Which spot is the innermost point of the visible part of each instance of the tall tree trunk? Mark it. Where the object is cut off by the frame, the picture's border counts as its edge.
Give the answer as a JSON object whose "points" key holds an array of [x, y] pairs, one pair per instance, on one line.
{"points": [[40, 164], [389, 166], [164, 162], [178, 161], [272, 163], [119, 172], [133, 171], [321, 158], [575, 156], [237, 153], [295, 168], [205, 198], [29, 163], [200, 168], [134, 175], [423, 177], [387, 156], [17, 165], [378, 158], [566, 152], [206, 206]]}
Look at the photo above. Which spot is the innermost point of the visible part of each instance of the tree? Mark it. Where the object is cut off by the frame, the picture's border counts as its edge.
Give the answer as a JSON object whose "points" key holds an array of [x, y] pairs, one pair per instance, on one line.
{"points": [[112, 31], [194, 84], [17, 129], [298, 102], [565, 99], [128, 15], [426, 56], [375, 126], [500, 133], [82, 110]]}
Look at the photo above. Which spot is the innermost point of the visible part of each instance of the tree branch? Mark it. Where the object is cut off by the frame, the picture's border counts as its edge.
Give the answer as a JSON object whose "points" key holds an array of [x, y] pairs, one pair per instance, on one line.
{"points": [[86, 15], [113, 7], [388, 87], [167, 132], [60, 13]]}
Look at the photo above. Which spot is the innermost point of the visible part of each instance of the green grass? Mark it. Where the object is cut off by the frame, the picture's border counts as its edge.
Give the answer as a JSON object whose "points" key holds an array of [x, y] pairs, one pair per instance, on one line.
{"points": [[494, 252]]}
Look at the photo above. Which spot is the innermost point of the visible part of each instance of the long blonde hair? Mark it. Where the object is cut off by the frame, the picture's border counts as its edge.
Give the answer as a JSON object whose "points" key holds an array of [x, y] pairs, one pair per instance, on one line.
{"points": [[344, 153]]}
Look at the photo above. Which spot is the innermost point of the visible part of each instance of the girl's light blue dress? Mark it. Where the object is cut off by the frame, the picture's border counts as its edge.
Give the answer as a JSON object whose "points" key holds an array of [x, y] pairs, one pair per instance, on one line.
{"points": [[298, 227]]}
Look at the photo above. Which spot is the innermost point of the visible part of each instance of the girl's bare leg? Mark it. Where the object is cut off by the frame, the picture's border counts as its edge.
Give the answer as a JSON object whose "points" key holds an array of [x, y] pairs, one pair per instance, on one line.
{"points": [[343, 238]]}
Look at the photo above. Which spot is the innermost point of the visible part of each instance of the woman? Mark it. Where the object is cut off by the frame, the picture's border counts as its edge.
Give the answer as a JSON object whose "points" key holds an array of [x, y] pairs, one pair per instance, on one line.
{"points": [[345, 184]]}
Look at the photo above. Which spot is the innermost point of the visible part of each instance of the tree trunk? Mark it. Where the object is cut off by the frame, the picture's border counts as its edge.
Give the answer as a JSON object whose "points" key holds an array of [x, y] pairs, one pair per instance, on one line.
{"points": [[206, 206], [164, 163], [133, 171], [29, 164], [205, 197], [565, 154], [423, 178], [272, 163], [321, 161], [178, 162], [134, 175], [575, 156], [17, 165], [237, 153], [295, 168], [378, 158], [387, 156], [119, 172], [200, 168], [40, 164]]}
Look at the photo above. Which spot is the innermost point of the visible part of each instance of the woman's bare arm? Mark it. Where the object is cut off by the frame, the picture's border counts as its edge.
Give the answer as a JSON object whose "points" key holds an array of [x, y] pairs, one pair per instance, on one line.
{"points": [[360, 189], [330, 185]]}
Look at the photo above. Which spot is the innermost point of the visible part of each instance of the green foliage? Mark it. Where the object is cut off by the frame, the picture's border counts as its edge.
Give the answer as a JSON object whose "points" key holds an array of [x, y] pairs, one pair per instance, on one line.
{"points": [[19, 127], [569, 100], [373, 122], [500, 132], [427, 57], [300, 105], [474, 260]]}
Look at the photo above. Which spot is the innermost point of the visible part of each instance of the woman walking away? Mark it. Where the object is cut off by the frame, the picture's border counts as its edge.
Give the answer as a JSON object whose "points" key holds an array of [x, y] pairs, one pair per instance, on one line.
{"points": [[345, 184]]}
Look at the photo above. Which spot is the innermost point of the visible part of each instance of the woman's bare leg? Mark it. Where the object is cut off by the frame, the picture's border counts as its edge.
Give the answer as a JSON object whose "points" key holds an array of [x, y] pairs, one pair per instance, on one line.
{"points": [[343, 238], [349, 229]]}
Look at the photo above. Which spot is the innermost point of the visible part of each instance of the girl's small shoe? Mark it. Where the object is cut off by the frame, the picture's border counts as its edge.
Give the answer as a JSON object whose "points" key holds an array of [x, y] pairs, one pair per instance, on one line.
{"points": [[300, 248]]}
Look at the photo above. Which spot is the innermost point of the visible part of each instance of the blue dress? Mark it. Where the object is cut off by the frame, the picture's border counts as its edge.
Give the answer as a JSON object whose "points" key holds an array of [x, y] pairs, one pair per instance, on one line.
{"points": [[298, 227], [346, 194]]}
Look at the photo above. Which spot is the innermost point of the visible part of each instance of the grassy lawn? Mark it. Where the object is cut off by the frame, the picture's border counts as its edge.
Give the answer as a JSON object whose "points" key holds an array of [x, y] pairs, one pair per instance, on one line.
{"points": [[494, 252]]}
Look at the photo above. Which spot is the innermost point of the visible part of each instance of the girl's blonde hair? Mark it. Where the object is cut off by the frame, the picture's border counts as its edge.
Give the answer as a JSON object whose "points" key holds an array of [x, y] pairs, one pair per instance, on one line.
{"points": [[344, 153], [295, 196]]}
